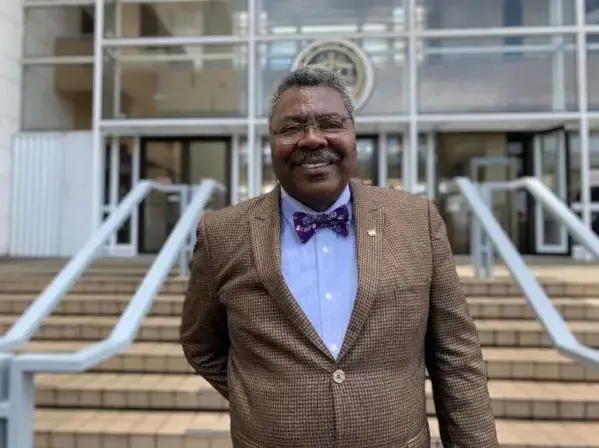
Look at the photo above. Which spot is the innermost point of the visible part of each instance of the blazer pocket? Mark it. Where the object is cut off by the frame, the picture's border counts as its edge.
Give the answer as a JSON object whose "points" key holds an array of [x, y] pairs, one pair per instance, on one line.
{"points": [[421, 440]]}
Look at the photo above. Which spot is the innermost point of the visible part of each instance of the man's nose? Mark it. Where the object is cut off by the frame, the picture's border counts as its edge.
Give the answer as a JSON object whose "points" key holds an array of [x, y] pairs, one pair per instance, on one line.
{"points": [[312, 139]]}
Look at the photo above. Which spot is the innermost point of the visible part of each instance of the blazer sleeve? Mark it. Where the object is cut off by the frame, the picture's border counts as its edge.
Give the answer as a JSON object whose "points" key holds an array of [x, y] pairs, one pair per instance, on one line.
{"points": [[453, 355], [204, 333]]}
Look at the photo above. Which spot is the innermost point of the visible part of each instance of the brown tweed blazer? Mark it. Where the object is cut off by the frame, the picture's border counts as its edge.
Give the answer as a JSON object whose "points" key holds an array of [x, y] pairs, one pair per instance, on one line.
{"points": [[243, 331]]}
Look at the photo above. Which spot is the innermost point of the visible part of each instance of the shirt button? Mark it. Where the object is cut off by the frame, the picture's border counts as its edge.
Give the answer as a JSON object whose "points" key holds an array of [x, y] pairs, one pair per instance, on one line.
{"points": [[328, 296], [339, 376], [325, 250], [334, 348]]}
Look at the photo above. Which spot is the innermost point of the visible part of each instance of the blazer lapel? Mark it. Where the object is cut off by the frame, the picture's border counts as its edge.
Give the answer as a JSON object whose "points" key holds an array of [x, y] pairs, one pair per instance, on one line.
{"points": [[369, 221], [266, 246]]}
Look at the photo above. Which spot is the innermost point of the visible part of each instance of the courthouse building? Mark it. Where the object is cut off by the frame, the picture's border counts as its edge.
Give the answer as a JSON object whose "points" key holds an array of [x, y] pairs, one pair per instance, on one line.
{"points": [[98, 94]]}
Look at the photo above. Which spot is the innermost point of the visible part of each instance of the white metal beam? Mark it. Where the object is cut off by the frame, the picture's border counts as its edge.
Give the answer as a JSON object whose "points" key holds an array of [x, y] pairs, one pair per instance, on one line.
{"points": [[583, 104], [519, 31], [253, 165], [411, 149], [98, 138]]}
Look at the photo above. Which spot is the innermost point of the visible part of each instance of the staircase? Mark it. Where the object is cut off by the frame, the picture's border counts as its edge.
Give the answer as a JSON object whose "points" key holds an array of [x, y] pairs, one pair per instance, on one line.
{"points": [[147, 397]]}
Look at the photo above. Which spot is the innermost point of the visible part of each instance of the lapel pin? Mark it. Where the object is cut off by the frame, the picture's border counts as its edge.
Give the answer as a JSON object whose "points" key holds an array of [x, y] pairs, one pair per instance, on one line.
{"points": [[372, 232]]}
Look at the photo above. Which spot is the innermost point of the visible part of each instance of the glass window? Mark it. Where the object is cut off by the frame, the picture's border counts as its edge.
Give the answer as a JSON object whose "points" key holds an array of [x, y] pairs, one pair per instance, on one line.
{"points": [[466, 75], [592, 10], [311, 16], [59, 31], [177, 18], [497, 13], [373, 67], [593, 69], [280, 54], [180, 81], [56, 97]]}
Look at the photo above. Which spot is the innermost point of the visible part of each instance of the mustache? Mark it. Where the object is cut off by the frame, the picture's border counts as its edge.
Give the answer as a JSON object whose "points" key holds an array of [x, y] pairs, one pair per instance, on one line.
{"points": [[320, 155]]}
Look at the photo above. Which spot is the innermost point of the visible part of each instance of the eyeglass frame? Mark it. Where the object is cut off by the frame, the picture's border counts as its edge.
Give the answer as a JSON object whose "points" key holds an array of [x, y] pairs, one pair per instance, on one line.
{"points": [[314, 125]]}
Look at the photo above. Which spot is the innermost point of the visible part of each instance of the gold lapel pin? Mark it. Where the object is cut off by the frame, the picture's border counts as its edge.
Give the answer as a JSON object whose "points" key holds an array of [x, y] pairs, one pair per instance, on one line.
{"points": [[372, 232]]}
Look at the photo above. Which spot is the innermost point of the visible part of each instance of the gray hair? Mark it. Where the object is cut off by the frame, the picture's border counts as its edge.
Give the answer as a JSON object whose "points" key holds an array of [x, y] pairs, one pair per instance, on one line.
{"points": [[311, 76]]}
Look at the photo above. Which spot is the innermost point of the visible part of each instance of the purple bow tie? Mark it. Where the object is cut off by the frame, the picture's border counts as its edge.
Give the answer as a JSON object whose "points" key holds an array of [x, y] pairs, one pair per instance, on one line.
{"points": [[306, 225]]}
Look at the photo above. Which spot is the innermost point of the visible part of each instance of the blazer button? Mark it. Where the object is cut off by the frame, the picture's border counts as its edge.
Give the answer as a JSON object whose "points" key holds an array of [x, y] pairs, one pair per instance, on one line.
{"points": [[339, 376]]}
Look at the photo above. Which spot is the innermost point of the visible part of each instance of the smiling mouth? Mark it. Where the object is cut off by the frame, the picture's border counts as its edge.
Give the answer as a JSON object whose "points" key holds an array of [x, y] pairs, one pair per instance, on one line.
{"points": [[315, 165]]}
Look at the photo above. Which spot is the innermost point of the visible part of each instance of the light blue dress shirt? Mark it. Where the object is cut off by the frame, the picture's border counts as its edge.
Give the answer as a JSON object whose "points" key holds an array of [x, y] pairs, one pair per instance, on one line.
{"points": [[321, 274]]}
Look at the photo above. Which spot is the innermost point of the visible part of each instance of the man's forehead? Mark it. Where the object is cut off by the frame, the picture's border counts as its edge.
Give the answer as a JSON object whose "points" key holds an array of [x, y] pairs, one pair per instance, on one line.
{"points": [[305, 101]]}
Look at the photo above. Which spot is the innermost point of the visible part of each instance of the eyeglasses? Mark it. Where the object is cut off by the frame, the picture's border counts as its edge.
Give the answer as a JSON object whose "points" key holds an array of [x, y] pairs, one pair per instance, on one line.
{"points": [[328, 124]]}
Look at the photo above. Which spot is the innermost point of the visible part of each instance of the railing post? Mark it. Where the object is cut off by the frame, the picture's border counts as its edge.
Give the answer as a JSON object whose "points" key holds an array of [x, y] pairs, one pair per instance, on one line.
{"points": [[183, 204], [487, 245], [476, 245], [4, 390], [21, 427]]}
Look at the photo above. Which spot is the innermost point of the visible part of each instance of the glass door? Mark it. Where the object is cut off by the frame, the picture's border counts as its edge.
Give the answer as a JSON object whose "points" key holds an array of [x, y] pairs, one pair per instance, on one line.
{"points": [[211, 159], [121, 175], [576, 183], [483, 157], [161, 161], [179, 161], [551, 237], [367, 171], [267, 176], [392, 161]]}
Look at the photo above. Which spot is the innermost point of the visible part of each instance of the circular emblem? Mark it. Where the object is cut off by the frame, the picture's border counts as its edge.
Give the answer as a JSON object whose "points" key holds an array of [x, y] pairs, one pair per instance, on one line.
{"points": [[347, 59]]}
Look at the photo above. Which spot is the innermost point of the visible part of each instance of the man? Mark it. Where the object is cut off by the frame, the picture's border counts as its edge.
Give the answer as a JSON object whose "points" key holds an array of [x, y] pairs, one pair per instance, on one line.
{"points": [[315, 308]]}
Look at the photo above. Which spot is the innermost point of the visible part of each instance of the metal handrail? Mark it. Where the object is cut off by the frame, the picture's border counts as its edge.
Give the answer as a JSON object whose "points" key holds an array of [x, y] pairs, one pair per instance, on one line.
{"points": [[557, 329], [128, 324], [18, 410], [483, 253], [31, 320], [560, 211]]}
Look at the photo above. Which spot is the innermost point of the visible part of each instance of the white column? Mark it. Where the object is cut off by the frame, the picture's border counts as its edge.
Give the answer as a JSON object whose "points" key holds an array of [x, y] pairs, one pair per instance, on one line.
{"points": [[411, 154], [235, 168], [11, 24], [382, 162], [98, 139], [583, 104], [252, 148], [431, 165]]}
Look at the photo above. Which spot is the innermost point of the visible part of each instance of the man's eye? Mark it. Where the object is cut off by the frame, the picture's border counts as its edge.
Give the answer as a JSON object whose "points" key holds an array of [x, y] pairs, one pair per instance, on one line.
{"points": [[292, 128], [331, 124]]}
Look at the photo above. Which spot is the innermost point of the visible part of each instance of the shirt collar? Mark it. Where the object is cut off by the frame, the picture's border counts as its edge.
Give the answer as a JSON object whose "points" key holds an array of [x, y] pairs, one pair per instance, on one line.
{"points": [[290, 205]]}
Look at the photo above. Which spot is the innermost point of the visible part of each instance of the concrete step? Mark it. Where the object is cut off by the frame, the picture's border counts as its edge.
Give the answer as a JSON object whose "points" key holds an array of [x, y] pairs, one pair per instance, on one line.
{"points": [[522, 364], [94, 304], [574, 308], [160, 392], [493, 333], [124, 284], [571, 308], [529, 333], [127, 429], [93, 273], [109, 284]]}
